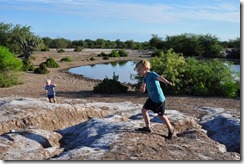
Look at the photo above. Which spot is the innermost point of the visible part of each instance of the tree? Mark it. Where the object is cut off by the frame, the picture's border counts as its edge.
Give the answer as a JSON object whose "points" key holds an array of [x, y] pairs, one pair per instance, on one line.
{"points": [[30, 43], [130, 44], [155, 41], [19, 39]]}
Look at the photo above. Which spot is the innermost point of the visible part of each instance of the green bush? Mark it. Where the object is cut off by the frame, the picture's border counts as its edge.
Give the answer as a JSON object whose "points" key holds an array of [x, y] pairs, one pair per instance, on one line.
{"points": [[66, 59], [105, 58], [51, 63], [42, 69], [8, 79], [122, 53], [78, 49], [114, 53], [92, 58], [110, 86], [196, 77], [9, 66], [60, 50], [27, 65], [102, 54], [8, 61], [45, 48], [172, 66], [157, 53]]}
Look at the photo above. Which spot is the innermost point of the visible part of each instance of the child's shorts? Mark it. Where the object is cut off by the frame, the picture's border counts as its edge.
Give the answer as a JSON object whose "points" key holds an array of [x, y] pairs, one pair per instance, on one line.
{"points": [[50, 96], [158, 108]]}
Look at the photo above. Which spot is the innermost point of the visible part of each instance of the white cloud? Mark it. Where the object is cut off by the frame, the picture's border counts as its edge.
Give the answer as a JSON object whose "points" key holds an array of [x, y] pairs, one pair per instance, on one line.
{"points": [[144, 13]]}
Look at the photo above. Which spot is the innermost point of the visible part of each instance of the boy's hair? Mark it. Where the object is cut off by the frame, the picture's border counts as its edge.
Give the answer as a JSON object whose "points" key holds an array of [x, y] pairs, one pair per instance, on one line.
{"points": [[146, 64], [48, 81]]}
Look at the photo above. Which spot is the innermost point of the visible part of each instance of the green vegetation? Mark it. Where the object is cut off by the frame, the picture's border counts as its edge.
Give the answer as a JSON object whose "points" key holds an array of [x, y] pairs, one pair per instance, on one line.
{"points": [[19, 39], [42, 69], [60, 50], [193, 77], [78, 49], [66, 59], [51, 63], [9, 67], [92, 58], [110, 86], [175, 56], [27, 65]]}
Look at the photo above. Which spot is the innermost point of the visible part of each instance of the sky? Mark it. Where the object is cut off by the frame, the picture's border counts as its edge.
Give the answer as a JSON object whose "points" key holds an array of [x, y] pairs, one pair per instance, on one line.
{"points": [[125, 20]]}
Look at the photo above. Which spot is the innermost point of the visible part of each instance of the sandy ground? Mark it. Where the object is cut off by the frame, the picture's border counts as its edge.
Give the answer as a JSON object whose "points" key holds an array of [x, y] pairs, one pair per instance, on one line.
{"points": [[76, 87]]}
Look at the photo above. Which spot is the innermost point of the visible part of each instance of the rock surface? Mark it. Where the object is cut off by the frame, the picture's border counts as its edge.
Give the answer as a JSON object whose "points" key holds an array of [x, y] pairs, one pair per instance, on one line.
{"points": [[33, 129]]}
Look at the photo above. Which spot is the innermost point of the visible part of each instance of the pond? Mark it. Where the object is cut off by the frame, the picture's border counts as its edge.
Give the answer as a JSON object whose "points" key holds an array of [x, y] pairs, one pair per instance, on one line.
{"points": [[125, 70]]}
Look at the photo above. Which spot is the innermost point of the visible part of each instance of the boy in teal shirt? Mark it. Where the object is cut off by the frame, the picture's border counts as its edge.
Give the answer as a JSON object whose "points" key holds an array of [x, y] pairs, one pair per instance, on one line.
{"points": [[156, 100]]}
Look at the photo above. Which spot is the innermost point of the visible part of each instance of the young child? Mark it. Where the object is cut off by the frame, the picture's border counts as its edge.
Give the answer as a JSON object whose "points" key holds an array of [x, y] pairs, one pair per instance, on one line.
{"points": [[156, 100], [49, 88]]}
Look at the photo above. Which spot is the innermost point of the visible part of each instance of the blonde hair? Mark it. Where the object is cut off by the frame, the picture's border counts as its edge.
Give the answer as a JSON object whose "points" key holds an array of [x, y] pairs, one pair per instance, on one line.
{"points": [[144, 63], [48, 81]]}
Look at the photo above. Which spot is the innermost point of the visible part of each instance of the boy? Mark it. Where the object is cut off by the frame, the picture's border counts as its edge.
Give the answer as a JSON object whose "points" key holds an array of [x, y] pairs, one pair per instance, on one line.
{"points": [[156, 100], [49, 88]]}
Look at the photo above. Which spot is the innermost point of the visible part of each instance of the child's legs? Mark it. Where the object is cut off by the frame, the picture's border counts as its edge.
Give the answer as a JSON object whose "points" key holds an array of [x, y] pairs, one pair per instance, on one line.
{"points": [[166, 120], [146, 117]]}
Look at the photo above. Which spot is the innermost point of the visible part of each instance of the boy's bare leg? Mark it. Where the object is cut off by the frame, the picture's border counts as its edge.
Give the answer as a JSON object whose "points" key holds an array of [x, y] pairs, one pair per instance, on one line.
{"points": [[146, 117], [50, 100], [167, 122]]}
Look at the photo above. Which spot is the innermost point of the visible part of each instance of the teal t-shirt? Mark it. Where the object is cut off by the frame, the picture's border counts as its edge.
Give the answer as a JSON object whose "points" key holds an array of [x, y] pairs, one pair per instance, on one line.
{"points": [[153, 87]]}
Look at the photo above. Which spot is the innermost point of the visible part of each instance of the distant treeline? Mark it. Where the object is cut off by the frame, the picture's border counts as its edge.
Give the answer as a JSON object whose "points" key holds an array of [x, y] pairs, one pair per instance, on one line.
{"points": [[21, 41], [188, 44]]}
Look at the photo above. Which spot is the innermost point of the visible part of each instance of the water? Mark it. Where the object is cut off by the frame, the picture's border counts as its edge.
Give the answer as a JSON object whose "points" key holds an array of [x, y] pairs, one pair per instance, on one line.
{"points": [[125, 70], [236, 68]]}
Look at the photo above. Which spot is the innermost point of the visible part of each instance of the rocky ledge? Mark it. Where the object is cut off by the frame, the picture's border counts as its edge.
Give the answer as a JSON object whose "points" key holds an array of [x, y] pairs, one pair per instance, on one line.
{"points": [[33, 129]]}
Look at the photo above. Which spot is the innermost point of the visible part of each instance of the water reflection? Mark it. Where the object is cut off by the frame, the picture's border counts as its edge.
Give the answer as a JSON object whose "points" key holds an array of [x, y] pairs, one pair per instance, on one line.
{"points": [[125, 70]]}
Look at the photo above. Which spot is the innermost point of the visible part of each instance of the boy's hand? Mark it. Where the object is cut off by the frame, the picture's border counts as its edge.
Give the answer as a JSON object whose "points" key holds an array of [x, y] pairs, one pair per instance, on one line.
{"points": [[142, 89], [170, 83]]}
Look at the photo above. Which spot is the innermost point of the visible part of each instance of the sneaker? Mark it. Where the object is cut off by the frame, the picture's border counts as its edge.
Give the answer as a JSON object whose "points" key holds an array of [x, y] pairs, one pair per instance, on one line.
{"points": [[144, 129], [170, 133]]}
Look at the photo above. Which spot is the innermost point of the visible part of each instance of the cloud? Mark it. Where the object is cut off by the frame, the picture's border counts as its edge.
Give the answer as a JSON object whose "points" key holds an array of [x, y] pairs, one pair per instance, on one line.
{"points": [[139, 12]]}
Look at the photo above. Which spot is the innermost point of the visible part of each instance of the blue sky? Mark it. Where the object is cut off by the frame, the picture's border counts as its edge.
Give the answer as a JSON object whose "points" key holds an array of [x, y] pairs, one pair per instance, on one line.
{"points": [[124, 19]]}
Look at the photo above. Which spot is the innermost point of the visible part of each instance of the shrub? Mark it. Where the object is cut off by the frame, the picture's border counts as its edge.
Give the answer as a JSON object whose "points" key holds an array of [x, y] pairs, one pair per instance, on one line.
{"points": [[60, 50], [92, 58], [157, 53], [51, 63], [66, 59], [110, 86], [8, 79], [114, 53], [45, 48], [8, 61], [172, 66], [105, 58], [42, 69], [78, 49], [122, 53], [102, 54], [196, 77], [9, 66], [27, 65]]}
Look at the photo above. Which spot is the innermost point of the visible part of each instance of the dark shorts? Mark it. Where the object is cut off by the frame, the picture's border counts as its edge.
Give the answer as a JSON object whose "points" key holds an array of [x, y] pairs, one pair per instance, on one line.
{"points": [[50, 96], [158, 108]]}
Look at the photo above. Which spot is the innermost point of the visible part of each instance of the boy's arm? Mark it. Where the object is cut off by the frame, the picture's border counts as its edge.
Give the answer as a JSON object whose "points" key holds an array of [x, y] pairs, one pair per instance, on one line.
{"points": [[162, 79], [143, 87]]}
